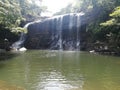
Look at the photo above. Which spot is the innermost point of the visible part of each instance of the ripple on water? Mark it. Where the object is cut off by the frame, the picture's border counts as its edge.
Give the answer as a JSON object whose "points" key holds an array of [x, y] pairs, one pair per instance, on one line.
{"points": [[56, 81]]}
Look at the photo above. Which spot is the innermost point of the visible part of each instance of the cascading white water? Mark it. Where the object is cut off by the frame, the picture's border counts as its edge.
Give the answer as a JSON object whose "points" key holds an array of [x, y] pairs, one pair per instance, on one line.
{"points": [[59, 30], [60, 34], [18, 44], [78, 25], [71, 23], [77, 33]]}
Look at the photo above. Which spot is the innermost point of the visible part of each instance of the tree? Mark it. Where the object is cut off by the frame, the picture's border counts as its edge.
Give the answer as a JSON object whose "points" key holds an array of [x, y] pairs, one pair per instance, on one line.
{"points": [[31, 9], [13, 13], [97, 11], [9, 13], [113, 28], [115, 20]]}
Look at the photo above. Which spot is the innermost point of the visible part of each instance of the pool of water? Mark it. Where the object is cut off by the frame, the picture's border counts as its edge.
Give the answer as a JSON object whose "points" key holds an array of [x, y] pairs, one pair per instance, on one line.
{"points": [[60, 70]]}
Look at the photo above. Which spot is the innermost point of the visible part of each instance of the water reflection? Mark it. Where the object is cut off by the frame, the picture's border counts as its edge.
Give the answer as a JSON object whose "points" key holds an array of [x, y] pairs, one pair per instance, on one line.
{"points": [[61, 70], [57, 80]]}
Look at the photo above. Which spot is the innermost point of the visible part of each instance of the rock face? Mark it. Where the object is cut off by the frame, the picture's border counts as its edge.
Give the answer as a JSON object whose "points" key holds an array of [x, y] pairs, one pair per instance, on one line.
{"points": [[65, 32]]}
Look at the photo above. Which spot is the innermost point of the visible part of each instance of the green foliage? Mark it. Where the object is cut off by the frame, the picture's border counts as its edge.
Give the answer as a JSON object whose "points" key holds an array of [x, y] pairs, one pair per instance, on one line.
{"points": [[30, 10], [115, 18], [97, 11], [19, 29], [112, 26], [109, 22], [13, 13], [8, 14], [116, 13]]}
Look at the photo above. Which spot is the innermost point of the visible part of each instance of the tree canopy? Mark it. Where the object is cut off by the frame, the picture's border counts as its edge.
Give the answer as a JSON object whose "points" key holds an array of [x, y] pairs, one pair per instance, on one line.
{"points": [[115, 18], [9, 13], [103, 23], [12, 12]]}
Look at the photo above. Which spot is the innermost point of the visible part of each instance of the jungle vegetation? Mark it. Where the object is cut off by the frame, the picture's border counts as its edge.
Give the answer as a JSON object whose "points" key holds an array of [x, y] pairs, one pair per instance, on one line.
{"points": [[102, 28], [13, 16]]}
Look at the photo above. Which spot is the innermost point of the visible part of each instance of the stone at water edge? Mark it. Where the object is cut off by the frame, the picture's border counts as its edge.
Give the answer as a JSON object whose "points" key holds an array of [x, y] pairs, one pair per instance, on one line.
{"points": [[22, 49]]}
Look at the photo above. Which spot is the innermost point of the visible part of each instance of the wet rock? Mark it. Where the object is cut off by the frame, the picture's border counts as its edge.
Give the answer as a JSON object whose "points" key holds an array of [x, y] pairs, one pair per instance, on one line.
{"points": [[66, 32]]}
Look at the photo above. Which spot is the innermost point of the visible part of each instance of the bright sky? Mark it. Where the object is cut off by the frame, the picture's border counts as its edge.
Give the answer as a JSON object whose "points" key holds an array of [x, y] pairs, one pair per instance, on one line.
{"points": [[55, 5]]}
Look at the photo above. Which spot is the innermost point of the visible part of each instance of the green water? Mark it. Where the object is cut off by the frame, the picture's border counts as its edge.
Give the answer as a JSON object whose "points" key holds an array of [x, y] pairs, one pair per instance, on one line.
{"points": [[65, 70]]}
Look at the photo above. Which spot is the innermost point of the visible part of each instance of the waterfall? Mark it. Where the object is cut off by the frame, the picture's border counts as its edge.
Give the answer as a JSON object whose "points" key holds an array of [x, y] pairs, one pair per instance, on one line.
{"points": [[60, 33], [71, 21], [71, 41], [57, 41], [78, 27], [57, 33], [18, 44]]}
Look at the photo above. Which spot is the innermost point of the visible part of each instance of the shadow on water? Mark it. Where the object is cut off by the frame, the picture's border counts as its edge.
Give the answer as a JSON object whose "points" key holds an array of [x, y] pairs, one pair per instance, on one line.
{"points": [[7, 55], [4, 84]]}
